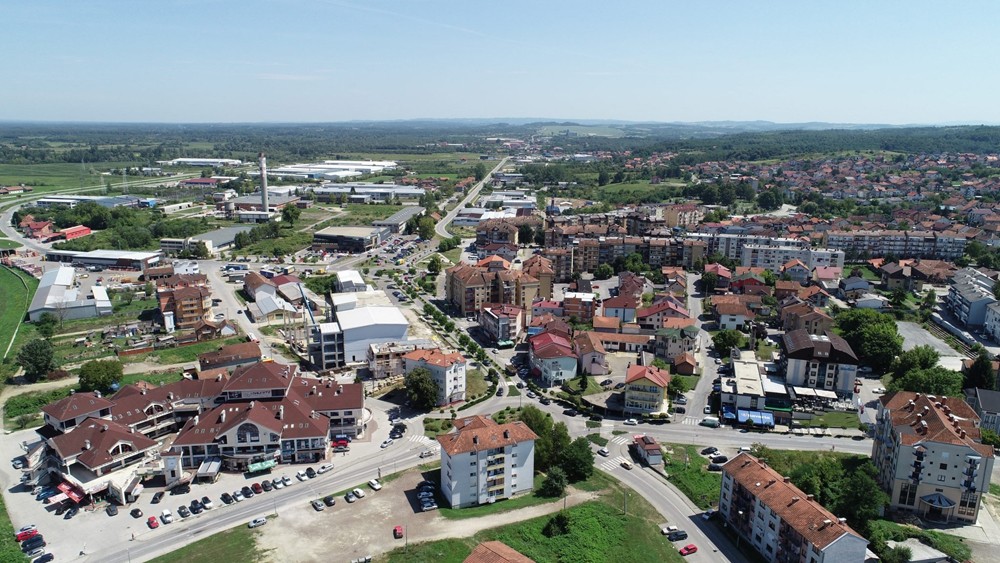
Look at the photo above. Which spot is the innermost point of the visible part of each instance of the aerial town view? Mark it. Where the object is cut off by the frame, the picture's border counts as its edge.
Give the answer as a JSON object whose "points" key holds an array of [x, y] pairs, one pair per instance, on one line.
{"points": [[428, 282]]}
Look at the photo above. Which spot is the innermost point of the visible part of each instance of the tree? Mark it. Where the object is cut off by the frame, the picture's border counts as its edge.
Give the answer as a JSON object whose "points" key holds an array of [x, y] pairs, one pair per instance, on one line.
{"points": [[479, 171], [36, 358], [708, 281], [584, 382], [290, 214], [603, 178], [920, 357], [525, 234], [559, 440], [100, 375], [726, 340], [930, 300], [677, 386], [990, 437], [603, 272], [434, 265], [898, 297], [578, 460], [541, 424], [898, 554], [554, 484], [981, 373], [880, 344], [861, 500], [46, 324], [421, 389], [932, 381], [425, 228]]}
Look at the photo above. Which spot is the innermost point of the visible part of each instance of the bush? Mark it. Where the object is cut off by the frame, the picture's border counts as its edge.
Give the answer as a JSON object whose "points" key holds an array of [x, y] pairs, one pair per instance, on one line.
{"points": [[31, 403], [558, 525]]}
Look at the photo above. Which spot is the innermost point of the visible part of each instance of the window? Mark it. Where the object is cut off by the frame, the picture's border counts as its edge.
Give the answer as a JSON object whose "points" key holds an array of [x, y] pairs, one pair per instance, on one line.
{"points": [[940, 477], [247, 433], [943, 466], [907, 494]]}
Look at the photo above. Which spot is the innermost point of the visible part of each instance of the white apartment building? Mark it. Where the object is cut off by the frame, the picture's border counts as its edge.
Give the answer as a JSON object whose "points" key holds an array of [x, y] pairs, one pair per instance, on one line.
{"points": [[929, 457], [781, 522], [447, 370], [970, 295], [820, 361], [946, 245], [731, 245], [774, 257], [482, 461]]}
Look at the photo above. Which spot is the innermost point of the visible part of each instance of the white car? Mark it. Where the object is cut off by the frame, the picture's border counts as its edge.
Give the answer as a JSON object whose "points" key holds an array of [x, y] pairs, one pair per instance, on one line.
{"points": [[257, 522], [375, 485], [286, 480], [358, 493], [707, 409], [631, 422], [302, 475], [166, 516], [878, 390], [386, 443], [604, 452], [324, 468]]}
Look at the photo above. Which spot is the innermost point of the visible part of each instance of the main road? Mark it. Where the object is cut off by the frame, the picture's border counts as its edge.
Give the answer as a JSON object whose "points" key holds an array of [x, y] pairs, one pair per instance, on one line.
{"points": [[442, 227]]}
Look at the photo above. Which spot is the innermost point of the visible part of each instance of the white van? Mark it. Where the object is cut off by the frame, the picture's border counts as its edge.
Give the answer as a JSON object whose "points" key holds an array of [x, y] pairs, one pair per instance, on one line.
{"points": [[710, 421]]}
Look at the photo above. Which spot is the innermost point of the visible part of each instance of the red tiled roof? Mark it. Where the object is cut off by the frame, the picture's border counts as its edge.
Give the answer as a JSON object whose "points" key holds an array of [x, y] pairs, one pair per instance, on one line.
{"points": [[496, 552], [481, 433], [93, 440], [76, 405], [934, 419], [435, 357], [654, 374]]}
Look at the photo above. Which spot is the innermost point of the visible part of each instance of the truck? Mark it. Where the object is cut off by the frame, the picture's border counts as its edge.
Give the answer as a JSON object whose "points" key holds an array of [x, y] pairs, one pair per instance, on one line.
{"points": [[236, 267]]}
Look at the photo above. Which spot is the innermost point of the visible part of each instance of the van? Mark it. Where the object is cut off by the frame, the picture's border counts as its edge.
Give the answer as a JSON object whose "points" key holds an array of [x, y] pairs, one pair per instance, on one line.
{"points": [[710, 421]]}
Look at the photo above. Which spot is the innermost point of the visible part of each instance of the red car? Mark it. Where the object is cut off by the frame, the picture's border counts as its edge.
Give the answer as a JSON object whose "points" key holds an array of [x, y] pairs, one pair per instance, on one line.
{"points": [[153, 523], [26, 535], [397, 532], [689, 549], [257, 489]]}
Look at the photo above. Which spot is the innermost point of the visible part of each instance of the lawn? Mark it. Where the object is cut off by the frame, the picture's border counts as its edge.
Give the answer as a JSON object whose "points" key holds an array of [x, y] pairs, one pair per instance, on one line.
{"points": [[235, 544], [9, 549], [597, 439], [289, 242], [455, 254], [949, 544], [687, 470], [154, 378], [764, 352], [16, 300], [7, 243], [833, 419], [362, 214], [691, 380], [593, 386], [55, 176], [436, 426], [475, 384], [29, 405], [187, 353], [499, 507]]}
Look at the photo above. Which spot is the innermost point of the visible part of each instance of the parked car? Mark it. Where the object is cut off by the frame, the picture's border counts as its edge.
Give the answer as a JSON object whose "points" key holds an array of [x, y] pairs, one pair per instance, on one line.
{"points": [[247, 492], [720, 459], [33, 544], [708, 514], [166, 516], [682, 400], [689, 549], [136, 513], [17, 463], [570, 412], [677, 535], [257, 489], [545, 401], [310, 472], [183, 511], [71, 513], [286, 480], [25, 535], [596, 418], [349, 497], [257, 522], [707, 409], [426, 453], [620, 385], [35, 552], [329, 500], [606, 382], [266, 485], [153, 523], [238, 496], [47, 493], [604, 452], [301, 475], [278, 484], [375, 485], [680, 410], [45, 558], [227, 498], [112, 510], [196, 507], [318, 505], [358, 493], [711, 450], [397, 532], [531, 394], [715, 467], [324, 468], [181, 490], [631, 422]]}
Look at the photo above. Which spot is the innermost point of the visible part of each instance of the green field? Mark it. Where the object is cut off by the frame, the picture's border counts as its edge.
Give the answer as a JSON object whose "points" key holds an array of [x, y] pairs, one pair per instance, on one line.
{"points": [[475, 383], [499, 507], [833, 419], [182, 354], [687, 470], [235, 544], [16, 300], [7, 243], [58, 176], [361, 214]]}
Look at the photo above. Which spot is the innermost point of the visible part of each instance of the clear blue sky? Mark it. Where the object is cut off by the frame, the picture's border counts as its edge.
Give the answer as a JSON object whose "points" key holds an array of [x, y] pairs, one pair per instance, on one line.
{"points": [[314, 60]]}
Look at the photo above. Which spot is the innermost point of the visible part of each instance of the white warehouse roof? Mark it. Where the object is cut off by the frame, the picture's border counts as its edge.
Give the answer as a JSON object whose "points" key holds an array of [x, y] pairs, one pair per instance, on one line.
{"points": [[369, 316]]}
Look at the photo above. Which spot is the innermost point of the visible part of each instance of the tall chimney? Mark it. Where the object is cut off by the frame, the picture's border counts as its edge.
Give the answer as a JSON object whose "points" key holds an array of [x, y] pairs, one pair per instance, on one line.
{"points": [[263, 183]]}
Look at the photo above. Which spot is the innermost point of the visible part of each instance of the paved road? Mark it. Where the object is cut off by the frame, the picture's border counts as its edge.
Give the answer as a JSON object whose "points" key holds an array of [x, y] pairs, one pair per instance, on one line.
{"points": [[698, 397], [442, 227]]}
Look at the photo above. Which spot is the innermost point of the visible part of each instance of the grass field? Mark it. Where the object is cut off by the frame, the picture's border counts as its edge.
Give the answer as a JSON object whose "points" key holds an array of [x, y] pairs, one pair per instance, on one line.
{"points": [[184, 353], [687, 470], [235, 544], [598, 439], [498, 507], [436, 426], [289, 243], [475, 384], [16, 299], [593, 385], [360, 214], [834, 419], [57, 176], [7, 243]]}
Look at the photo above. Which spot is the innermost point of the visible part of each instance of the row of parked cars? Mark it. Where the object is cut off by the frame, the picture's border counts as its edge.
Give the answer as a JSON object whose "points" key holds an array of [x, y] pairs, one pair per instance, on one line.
{"points": [[33, 543]]}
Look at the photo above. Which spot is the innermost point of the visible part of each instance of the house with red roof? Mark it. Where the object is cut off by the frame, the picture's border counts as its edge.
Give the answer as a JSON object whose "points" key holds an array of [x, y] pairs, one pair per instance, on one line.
{"points": [[552, 358], [652, 317], [623, 307], [446, 369], [723, 275], [646, 390], [732, 316], [591, 354]]}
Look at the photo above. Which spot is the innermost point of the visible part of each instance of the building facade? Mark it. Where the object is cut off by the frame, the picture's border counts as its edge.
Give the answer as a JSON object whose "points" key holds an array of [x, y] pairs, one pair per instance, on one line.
{"points": [[446, 369]]}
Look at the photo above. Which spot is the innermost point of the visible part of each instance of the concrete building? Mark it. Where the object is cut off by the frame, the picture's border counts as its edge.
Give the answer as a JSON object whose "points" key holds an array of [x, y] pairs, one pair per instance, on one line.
{"points": [[590, 352], [346, 339], [367, 193], [646, 390], [470, 288], [386, 359], [212, 162], [929, 457], [782, 523], [578, 305], [349, 281], [347, 239], [184, 307], [214, 241], [552, 358], [57, 293], [447, 370], [230, 357], [482, 461], [108, 259], [970, 294], [502, 323], [819, 361], [986, 403], [773, 258], [944, 245], [396, 223]]}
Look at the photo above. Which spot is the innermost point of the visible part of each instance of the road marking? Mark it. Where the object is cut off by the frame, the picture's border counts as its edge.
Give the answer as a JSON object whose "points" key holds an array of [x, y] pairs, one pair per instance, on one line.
{"points": [[620, 440]]}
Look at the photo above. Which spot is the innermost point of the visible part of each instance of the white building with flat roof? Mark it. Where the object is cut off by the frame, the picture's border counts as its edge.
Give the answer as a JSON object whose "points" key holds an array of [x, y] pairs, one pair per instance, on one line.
{"points": [[350, 281], [58, 294], [347, 339]]}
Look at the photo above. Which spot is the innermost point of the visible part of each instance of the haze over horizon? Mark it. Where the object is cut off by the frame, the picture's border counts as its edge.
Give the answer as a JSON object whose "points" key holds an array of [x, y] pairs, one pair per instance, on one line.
{"points": [[264, 61]]}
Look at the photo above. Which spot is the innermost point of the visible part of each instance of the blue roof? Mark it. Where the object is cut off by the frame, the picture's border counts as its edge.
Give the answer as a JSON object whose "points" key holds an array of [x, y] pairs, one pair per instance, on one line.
{"points": [[757, 417]]}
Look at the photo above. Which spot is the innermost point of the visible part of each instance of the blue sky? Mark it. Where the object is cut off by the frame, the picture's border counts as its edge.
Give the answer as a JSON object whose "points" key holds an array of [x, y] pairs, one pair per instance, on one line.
{"points": [[314, 60]]}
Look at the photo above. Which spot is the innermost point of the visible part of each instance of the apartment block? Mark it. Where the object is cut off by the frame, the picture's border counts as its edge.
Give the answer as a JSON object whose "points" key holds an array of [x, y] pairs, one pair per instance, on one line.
{"points": [[185, 307], [447, 370], [970, 296], [772, 258], [482, 461], [781, 522], [946, 245], [929, 456], [470, 288]]}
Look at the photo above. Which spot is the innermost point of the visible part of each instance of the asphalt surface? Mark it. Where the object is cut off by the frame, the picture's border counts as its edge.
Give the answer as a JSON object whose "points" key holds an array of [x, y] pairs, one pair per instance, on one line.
{"points": [[442, 227]]}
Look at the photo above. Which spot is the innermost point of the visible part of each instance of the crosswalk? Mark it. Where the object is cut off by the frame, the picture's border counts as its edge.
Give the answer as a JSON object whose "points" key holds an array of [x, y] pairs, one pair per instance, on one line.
{"points": [[613, 462], [420, 439], [620, 440], [691, 420]]}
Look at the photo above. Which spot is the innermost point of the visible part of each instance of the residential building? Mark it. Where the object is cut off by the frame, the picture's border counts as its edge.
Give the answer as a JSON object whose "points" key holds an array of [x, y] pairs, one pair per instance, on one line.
{"points": [[184, 307], [819, 361], [471, 287], [797, 271], [723, 275], [622, 307], [551, 357], [231, 357], [649, 449], [591, 354], [991, 324], [541, 269], [385, 359], [773, 258], [970, 294], [929, 456], [677, 337], [446, 369], [732, 316], [653, 317], [986, 403], [502, 323], [542, 307], [854, 287], [781, 522], [346, 340], [57, 293], [579, 306], [482, 461], [646, 390], [944, 245]]}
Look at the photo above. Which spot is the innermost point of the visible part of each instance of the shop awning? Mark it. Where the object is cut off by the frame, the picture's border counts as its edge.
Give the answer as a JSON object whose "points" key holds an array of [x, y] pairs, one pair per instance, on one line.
{"points": [[210, 467], [757, 417], [938, 500], [70, 491], [261, 466]]}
